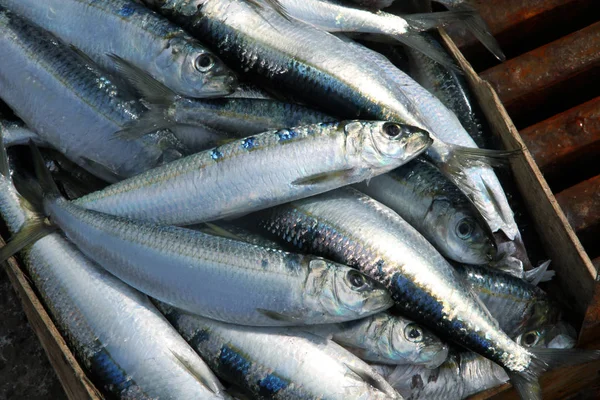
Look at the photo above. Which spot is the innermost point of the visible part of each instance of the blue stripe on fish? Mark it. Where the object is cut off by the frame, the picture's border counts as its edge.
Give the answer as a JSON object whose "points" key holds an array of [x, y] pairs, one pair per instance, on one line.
{"points": [[271, 384], [109, 373], [233, 364], [249, 143], [126, 11]]}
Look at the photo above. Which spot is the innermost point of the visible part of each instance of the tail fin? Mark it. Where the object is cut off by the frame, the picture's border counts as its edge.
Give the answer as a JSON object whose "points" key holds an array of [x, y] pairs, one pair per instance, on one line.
{"points": [[157, 96], [33, 229], [481, 30], [539, 274], [421, 43], [427, 21], [526, 383]]}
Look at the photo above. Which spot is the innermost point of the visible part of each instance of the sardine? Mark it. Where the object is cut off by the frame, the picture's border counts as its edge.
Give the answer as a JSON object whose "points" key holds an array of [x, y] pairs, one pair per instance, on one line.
{"points": [[213, 276], [516, 304], [435, 207], [16, 133], [279, 363], [112, 328], [386, 338], [332, 16], [349, 227], [342, 78], [131, 31], [261, 171], [72, 106]]}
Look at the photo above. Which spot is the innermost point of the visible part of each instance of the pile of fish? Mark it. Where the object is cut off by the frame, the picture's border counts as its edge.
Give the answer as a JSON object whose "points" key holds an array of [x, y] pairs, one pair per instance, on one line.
{"points": [[275, 199]]}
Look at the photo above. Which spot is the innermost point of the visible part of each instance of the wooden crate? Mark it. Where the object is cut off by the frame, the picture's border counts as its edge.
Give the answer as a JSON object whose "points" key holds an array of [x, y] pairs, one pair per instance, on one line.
{"points": [[574, 270]]}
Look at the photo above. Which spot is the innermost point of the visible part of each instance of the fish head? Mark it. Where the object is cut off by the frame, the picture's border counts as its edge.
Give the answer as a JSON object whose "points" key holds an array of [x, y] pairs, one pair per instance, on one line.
{"points": [[345, 293], [417, 345], [383, 146], [194, 71], [559, 335], [466, 239]]}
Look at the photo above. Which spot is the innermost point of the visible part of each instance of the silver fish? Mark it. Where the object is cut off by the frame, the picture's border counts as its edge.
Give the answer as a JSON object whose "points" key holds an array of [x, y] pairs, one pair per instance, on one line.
{"points": [[516, 304], [112, 328], [386, 338], [261, 171], [277, 363], [72, 106], [341, 77], [349, 227], [332, 16], [131, 31], [16, 133], [213, 276], [428, 201]]}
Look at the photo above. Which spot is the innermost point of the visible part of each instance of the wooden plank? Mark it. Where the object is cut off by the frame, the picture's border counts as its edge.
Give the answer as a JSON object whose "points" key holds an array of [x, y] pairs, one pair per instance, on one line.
{"points": [[565, 138], [76, 384], [573, 267]]}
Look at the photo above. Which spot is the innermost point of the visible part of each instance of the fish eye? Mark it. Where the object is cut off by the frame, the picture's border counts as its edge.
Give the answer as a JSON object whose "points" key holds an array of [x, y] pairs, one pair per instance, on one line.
{"points": [[356, 279], [392, 130], [464, 228], [530, 339], [413, 333], [204, 62]]}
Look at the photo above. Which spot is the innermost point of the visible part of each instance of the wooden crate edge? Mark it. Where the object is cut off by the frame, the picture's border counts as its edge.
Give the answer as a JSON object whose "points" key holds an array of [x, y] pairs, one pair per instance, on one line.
{"points": [[76, 384]]}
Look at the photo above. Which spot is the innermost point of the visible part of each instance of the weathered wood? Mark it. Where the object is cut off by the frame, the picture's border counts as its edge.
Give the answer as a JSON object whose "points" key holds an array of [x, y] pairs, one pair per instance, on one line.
{"points": [[569, 137], [524, 83], [76, 384]]}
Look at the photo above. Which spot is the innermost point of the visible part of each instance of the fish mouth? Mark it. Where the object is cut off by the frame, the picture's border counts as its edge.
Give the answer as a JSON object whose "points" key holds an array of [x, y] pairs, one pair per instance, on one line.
{"points": [[377, 303], [219, 86], [439, 356]]}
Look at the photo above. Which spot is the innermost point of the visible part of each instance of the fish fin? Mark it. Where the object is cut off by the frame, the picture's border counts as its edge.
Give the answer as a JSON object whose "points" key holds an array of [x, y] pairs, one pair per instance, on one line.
{"points": [[49, 188], [543, 359], [33, 230], [494, 158], [277, 316], [83, 56], [372, 378], [484, 308], [420, 43], [4, 167], [101, 170], [426, 21], [275, 5], [481, 30], [220, 231], [150, 89], [151, 121], [539, 274], [198, 374], [324, 177]]}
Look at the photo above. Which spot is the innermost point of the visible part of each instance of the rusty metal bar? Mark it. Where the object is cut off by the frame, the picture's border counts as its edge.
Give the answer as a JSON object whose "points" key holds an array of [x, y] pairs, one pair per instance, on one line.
{"points": [[524, 83], [503, 15], [581, 205], [569, 137]]}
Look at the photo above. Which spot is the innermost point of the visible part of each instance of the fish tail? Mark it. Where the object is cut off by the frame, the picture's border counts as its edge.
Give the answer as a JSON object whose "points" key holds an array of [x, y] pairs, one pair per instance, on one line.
{"points": [[35, 226], [542, 359], [481, 31], [539, 274], [426, 21], [155, 94], [420, 43]]}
